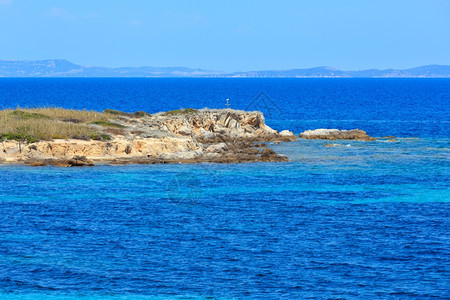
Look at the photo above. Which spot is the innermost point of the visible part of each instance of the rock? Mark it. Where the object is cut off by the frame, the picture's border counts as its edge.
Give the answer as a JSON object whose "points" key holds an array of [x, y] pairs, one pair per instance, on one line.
{"points": [[167, 156], [287, 136], [79, 161], [260, 145], [269, 130], [37, 163], [76, 161], [286, 133], [336, 134], [207, 135], [248, 129], [266, 152], [180, 156], [60, 163], [211, 155], [217, 148], [184, 130], [268, 155], [223, 124], [251, 151], [12, 150], [233, 124]]}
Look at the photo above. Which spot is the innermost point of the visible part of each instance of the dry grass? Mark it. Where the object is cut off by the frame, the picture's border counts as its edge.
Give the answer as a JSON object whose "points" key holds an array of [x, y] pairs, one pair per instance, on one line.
{"points": [[85, 116], [50, 123]]}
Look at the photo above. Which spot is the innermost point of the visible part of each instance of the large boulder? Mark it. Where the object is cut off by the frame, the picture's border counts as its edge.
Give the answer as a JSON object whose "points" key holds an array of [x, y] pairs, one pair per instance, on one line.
{"points": [[336, 134], [80, 161], [76, 161], [287, 135]]}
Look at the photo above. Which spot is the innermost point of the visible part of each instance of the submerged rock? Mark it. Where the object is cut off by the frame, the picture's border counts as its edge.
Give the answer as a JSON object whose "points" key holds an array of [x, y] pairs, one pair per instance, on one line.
{"points": [[336, 134]]}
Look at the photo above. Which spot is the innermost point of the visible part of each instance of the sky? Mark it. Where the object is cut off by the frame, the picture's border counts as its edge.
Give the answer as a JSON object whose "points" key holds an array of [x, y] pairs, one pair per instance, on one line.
{"points": [[229, 35]]}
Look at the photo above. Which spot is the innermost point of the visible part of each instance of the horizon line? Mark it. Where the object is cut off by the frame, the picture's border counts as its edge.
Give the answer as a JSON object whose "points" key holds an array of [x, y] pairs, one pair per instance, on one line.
{"points": [[228, 72]]}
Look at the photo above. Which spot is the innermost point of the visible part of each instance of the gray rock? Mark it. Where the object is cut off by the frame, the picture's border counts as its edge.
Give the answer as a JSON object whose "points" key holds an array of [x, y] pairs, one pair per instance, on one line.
{"points": [[180, 155], [207, 135], [217, 148], [336, 134]]}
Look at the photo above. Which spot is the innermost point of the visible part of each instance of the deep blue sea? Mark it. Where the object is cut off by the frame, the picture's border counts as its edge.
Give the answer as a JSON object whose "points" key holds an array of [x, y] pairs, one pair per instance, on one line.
{"points": [[359, 220]]}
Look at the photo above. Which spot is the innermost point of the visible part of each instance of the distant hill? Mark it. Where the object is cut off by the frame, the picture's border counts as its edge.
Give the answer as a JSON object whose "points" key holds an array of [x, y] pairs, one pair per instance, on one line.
{"points": [[424, 71], [64, 68], [313, 72]]}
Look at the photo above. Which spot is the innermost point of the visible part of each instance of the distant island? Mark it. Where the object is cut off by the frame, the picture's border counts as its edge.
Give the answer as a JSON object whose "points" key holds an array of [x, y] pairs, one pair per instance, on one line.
{"points": [[65, 68]]}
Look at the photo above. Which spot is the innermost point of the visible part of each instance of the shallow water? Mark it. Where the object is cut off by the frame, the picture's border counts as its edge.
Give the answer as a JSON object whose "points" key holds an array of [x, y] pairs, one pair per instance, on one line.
{"points": [[359, 219]]}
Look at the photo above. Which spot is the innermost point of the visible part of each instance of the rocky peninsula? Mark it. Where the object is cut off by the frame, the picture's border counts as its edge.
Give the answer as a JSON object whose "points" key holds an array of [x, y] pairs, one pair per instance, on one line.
{"points": [[61, 137]]}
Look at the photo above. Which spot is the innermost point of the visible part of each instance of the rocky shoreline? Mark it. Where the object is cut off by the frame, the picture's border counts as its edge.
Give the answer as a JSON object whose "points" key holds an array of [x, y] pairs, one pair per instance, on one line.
{"points": [[183, 136]]}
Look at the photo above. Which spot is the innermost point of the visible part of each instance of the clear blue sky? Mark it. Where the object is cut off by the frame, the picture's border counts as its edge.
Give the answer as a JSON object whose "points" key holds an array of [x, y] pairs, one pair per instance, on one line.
{"points": [[229, 35]]}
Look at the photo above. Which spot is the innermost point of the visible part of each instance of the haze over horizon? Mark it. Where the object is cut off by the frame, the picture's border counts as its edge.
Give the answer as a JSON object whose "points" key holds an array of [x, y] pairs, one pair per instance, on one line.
{"points": [[260, 35]]}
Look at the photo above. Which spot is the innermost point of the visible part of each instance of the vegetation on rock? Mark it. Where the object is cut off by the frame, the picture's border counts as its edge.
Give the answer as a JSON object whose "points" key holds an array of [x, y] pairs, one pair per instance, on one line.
{"points": [[116, 112], [186, 111], [141, 114], [107, 124]]}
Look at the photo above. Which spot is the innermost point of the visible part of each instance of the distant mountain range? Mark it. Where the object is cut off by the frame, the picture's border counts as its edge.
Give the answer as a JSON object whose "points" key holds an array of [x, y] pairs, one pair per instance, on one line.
{"points": [[64, 68]]}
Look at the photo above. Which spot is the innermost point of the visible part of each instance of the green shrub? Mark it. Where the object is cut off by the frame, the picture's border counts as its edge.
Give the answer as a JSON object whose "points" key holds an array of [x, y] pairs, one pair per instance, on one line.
{"points": [[28, 115], [13, 136], [116, 112], [100, 137], [107, 124], [186, 111]]}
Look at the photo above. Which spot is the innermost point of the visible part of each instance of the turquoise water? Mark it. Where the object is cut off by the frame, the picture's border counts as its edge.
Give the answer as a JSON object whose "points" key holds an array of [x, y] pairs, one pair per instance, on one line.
{"points": [[360, 219], [365, 219]]}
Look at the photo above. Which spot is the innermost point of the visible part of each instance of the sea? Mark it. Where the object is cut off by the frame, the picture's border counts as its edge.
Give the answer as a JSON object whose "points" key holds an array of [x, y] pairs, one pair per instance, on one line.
{"points": [[355, 220]]}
